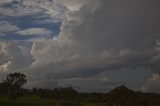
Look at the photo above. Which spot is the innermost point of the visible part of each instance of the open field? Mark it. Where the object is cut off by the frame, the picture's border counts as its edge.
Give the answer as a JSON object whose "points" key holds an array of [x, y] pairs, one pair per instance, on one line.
{"points": [[37, 101], [120, 96]]}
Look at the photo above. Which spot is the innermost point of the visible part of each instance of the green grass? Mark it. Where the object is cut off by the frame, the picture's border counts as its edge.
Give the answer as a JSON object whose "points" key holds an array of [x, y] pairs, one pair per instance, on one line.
{"points": [[36, 101], [26, 101]]}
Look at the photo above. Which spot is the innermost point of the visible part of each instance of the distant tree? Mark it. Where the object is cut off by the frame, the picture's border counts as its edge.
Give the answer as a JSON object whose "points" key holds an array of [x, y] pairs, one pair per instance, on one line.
{"points": [[3, 89], [14, 82], [34, 91]]}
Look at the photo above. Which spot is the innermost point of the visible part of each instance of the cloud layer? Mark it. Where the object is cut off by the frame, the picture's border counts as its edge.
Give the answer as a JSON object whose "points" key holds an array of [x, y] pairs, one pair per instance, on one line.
{"points": [[12, 58], [35, 31], [96, 36]]}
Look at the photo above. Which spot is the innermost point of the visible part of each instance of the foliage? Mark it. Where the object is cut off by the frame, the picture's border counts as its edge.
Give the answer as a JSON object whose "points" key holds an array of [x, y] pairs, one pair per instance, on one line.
{"points": [[120, 96], [13, 82]]}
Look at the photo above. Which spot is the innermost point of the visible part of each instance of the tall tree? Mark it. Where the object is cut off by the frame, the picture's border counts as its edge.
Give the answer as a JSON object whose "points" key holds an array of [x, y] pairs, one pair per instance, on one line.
{"points": [[14, 82]]}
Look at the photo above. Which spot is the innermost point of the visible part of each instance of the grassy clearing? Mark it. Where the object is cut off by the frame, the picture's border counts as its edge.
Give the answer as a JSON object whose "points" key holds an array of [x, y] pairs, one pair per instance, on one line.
{"points": [[26, 101], [37, 101]]}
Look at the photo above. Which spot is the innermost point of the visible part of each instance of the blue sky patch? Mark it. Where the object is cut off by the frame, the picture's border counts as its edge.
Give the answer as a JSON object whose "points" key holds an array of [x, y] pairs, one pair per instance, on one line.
{"points": [[40, 20]]}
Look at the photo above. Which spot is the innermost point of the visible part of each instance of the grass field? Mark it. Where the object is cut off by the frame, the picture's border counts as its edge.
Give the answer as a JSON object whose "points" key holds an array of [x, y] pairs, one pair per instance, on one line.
{"points": [[37, 101]]}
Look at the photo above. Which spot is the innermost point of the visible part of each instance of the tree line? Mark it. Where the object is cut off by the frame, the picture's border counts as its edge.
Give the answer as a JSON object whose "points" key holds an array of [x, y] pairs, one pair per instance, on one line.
{"points": [[12, 86]]}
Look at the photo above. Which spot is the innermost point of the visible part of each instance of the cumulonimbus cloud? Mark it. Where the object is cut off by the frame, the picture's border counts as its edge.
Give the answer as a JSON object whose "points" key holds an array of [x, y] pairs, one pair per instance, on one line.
{"points": [[97, 36], [98, 33], [101, 35]]}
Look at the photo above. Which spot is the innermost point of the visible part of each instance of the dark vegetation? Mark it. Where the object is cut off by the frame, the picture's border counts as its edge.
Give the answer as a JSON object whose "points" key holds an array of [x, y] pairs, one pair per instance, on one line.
{"points": [[120, 96], [12, 85]]}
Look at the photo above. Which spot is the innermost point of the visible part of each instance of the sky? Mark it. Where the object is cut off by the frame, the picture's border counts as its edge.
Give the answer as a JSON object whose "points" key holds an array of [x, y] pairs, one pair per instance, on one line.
{"points": [[91, 45]]}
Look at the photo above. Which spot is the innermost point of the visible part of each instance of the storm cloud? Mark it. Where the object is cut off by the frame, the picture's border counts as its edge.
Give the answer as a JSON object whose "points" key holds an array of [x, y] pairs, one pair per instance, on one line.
{"points": [[96, 36]]}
